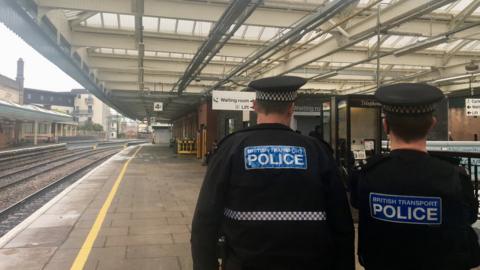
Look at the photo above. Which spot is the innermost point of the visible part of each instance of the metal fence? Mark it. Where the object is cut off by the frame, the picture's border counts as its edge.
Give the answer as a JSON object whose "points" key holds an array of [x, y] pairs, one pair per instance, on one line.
{"points": [[470, 161]]}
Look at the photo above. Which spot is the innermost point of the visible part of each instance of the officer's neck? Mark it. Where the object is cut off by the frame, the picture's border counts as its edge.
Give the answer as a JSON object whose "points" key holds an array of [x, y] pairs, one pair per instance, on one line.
{"points": [[397, 143], [273, 118]]}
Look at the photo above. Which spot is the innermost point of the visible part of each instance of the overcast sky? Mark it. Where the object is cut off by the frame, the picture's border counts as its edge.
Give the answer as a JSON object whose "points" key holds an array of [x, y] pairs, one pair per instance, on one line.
{"points": [[39, 72]]}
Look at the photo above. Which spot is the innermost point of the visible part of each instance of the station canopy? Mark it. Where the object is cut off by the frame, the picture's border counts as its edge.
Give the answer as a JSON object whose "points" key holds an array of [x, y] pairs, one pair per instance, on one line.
{"points": [[131, 53]]}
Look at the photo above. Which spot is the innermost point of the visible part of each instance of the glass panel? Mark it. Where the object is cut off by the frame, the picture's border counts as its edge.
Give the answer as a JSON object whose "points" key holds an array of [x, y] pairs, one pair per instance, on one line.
{"points": [[240, 32], [252, 32], [110, 20], [118, 51], [162, 54], [167, 25], [202, 28], [127, 21], [150, 24], [132, 52], [185, 27], [106, 50], [149, 53], [94, 21]]}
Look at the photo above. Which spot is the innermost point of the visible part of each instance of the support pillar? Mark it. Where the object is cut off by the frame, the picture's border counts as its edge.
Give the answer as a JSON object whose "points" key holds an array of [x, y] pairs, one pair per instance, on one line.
{"points": [[35, 133]]}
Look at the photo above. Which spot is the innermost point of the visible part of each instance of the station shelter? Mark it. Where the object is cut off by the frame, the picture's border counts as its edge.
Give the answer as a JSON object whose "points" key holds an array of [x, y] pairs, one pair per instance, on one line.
{"points": [[30, 124]]}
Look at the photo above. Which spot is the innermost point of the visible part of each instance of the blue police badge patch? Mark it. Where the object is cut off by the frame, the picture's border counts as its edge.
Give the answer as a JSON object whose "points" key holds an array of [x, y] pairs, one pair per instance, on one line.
{"points": [[406, 209], [275, 157]]}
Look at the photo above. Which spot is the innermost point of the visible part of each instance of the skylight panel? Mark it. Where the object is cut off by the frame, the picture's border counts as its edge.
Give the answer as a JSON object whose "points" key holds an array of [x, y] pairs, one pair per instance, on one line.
{"points": [[477, 11], [185, 27], [94, 21], [470, 46], [240, 31], [390, 41], [149, 53], [106, 50], [127, 21], [150, 24], [167, 25], [163, 54], [119, 51], [176, 55], [460, 6], [202, 28], [269, 33], [132, 52], [252, 32], [110, 20]]}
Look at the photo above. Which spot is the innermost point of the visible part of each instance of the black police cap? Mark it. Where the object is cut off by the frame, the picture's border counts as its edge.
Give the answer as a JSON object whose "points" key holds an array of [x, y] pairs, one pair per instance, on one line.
{"points": [[409, 98], [278, 88]]}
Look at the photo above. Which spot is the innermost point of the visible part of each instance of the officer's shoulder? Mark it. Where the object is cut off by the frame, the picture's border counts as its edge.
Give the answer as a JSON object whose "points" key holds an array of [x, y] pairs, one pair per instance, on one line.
{"points": [[374, 161], [232, 137], [443, 162]]}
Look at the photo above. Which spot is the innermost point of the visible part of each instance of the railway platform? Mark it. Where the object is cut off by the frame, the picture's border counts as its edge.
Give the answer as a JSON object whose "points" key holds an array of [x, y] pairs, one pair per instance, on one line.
{"points": [[132, 212]]}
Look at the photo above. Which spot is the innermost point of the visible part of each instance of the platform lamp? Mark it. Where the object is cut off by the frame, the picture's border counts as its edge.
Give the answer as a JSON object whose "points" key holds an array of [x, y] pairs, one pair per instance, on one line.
{"points": [[471, 68]]}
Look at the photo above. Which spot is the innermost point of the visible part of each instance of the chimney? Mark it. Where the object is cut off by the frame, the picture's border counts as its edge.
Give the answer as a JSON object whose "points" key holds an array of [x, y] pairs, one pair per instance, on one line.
{"points": [[20, 79]]}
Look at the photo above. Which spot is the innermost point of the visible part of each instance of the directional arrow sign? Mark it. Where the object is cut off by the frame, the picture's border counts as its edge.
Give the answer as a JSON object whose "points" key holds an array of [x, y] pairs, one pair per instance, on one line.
{"points": [[233, 100], [472, 106]]}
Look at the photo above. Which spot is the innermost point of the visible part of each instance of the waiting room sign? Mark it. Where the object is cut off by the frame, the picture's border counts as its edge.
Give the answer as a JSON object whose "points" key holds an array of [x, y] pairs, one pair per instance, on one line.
{"points": [[233, 100], [472, 106]]}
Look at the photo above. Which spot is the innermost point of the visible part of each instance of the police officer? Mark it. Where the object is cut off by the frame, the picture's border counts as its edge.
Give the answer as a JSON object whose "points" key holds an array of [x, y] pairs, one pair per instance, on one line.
{"points": [[273, 194], [415, 210]]}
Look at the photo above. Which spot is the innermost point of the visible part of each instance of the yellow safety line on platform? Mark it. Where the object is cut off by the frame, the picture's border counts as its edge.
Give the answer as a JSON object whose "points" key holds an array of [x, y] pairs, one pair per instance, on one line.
{"points": [[84, 252]]}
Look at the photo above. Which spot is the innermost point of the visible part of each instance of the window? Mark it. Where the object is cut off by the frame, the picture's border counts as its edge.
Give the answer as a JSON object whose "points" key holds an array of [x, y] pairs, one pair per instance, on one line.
{"points": [[90, 108], [41, 97], [29, 96], [77, 108], [51, 99], [229, 126], [89, 119]]}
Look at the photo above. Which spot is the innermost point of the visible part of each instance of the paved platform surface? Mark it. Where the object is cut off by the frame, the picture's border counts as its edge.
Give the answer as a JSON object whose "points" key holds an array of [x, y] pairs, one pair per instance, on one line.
{"points": [[146, 227]]}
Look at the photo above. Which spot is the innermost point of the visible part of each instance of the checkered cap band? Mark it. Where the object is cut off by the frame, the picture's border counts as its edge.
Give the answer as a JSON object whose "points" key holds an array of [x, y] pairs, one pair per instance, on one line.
{"points": [[276, 216], [277, 96], [409, 109]]}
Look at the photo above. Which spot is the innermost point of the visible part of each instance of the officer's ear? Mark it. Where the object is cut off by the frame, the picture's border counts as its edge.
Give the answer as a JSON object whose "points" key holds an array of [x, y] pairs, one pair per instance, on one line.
{"points": [[291, 109], [434, 123], [255, 106], [386, 128]]}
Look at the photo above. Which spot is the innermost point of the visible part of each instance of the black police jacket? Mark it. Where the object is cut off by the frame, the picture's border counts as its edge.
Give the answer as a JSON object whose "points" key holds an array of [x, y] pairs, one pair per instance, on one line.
{"points": [[276, 197], [415, 213]]}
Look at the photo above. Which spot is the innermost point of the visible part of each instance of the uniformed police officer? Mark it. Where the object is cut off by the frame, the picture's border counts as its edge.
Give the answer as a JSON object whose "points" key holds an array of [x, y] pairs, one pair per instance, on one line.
{"points": [[273, 194], [415, 210]]}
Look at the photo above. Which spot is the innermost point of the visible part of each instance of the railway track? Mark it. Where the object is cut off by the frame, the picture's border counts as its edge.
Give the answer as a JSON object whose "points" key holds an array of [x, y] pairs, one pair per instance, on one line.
{"points": [[24, 191]]}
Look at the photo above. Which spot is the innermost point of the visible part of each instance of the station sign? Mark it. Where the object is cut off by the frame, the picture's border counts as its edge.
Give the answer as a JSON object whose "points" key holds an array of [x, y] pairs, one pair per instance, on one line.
{"points": [[158, 106], [472, 106], [233, 100], [306, 108]]}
